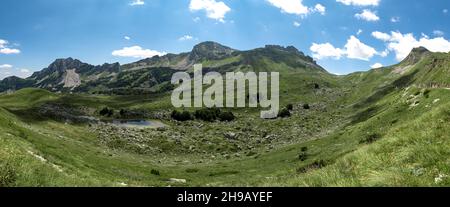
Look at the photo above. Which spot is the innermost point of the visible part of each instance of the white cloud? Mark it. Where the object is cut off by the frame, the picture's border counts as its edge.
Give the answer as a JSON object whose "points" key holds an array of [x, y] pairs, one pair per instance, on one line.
{"points": [[445, 11], [438, 33], [353, 49], [137, 3], [185, 37], [24, 71], [319, 8], [360, 2], [214, 10], [297, 24], [395, 19], [367, 15], [381, 36], [127, 38], [297, 7], [402, 44], [137, 52], [326, 50], [6, 66], [5, 49], [385, 53], [376, 65], [3, 43], [290, 6], [359, 32], [8, 51]]}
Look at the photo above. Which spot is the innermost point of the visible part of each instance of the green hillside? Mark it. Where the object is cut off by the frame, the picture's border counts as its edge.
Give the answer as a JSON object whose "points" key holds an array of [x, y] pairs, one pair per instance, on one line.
{"points": [[383, 127]]}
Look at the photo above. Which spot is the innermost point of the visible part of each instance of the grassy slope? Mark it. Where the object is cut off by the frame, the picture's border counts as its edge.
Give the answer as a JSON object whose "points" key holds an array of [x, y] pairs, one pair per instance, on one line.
{"points": [[411, 149], [413, 153]]}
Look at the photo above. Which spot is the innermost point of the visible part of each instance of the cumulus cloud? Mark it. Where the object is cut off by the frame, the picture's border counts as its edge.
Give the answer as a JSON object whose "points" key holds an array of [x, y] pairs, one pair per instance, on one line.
{"points": [[136, 52], [297, 7], [367, 15], [6, 66], [137, 3], [402, 44], [381, 36], [360, 2], [5, 48], [438, 33], [376, 65], [353, 49], [326, 50], [185, 37], [214, 10], [290, 6], [127, 38], [319, 8], [395, 19], [296, 24]]}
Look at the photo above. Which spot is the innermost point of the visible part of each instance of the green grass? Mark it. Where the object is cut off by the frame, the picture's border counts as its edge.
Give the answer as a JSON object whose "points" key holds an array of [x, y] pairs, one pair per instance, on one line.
{"points": [[365, 129]]}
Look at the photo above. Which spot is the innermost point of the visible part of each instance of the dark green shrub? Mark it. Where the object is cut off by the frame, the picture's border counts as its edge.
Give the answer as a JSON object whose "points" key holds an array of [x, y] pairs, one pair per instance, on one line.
{"points": [[192, 170], [426, 93], [227, 116], [107, 112], [284, 113], [104, 111], [181, 116], [303, 156], [207, 114], [370, 138], [290, 107], [155, 172], [313, 166], [306, 106], [123, 112], [304, 149]]}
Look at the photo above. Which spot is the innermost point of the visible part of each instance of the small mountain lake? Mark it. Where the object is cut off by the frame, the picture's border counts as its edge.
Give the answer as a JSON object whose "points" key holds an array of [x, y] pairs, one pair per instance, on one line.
{"points": [[138, 123]]}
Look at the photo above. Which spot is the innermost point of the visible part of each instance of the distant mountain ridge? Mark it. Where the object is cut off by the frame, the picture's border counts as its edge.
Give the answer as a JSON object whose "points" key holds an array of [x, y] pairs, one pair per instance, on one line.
{"points": [[153, 74]]}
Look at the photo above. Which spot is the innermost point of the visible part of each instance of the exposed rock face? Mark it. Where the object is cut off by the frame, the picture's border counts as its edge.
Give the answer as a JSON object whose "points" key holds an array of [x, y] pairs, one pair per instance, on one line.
{"points": [[72, 79], [416, 55]]}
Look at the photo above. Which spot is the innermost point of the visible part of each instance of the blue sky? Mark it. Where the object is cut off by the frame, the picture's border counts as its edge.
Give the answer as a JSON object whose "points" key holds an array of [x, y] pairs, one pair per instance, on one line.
{"points": [[343, 35]]}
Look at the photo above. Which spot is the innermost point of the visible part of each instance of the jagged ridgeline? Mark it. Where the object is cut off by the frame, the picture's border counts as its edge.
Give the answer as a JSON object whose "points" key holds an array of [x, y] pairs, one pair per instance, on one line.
{"points": [[153, 75]]}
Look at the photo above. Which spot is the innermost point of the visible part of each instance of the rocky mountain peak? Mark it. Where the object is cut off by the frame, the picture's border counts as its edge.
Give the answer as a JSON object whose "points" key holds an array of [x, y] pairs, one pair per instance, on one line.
{"points": [[210, 50], [416, 55], [62, 65]]}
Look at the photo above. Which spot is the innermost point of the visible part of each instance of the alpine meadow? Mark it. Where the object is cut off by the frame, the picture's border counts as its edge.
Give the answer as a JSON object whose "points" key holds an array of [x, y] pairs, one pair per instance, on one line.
{"points": [[80, 122]]}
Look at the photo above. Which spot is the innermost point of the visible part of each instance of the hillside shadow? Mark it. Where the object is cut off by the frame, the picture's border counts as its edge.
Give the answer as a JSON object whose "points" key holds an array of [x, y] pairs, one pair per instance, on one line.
{"points": [[368, 110]]}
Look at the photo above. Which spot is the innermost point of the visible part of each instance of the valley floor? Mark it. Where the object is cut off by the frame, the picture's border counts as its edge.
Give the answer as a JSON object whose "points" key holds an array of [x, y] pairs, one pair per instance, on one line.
{"points": [[401, 139]]}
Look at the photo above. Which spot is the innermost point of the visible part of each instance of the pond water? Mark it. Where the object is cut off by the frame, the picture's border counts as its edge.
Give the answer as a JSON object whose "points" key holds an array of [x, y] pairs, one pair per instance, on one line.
{"points": [[139, 123]]}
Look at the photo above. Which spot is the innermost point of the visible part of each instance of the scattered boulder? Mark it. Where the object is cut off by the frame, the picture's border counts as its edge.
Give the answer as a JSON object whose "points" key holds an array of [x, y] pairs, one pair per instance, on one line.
{"points": [[230, 135], [176, 180]]}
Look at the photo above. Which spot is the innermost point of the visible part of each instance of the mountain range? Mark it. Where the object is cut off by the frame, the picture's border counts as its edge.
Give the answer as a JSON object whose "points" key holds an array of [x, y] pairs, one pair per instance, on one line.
{"points": [[153, 74]]}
